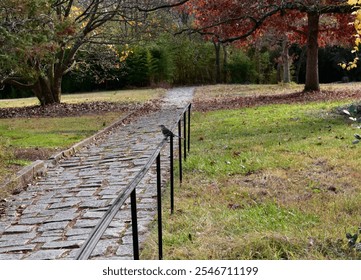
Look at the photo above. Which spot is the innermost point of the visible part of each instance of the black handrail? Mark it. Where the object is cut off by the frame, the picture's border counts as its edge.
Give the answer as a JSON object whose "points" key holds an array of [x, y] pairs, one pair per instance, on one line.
{"points": [[89, 245]]}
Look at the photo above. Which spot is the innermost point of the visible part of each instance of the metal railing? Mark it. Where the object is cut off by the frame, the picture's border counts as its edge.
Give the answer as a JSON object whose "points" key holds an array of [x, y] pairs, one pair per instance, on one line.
{"points": [[89, 245]]}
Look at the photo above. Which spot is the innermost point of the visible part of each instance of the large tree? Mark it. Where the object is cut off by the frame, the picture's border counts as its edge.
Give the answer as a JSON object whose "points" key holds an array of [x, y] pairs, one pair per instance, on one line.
{"points": [[230, 21], [41, 39]]}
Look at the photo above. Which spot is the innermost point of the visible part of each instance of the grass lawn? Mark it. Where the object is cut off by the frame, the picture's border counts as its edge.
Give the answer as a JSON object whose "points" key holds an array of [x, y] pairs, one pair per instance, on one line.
{"points": [[270, 182], [267, 182]]}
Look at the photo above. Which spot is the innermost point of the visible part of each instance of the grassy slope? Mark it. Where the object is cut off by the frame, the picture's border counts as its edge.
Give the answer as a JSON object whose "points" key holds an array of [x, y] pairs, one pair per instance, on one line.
{"points": [[271, 182]]}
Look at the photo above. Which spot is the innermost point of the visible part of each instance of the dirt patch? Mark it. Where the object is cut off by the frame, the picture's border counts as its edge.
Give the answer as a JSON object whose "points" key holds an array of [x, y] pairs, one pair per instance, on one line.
{"points": [[33, 154], [235, 102]]}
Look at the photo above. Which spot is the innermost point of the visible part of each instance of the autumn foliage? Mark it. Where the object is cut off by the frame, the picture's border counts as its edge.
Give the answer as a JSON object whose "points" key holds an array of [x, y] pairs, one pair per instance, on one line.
{"points": [[312, 23]]}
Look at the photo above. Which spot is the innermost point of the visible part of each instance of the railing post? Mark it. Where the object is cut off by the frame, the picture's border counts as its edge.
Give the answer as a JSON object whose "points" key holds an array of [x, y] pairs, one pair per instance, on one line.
{"points": [[171, 175], [185, 134], [180, 151], [189, 127], [159, 203], [133, 201]]}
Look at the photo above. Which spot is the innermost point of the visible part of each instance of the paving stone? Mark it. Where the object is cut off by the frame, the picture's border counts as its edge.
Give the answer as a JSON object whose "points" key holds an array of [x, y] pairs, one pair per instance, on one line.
{"points": [[112, 233], [115, 258], [13, 242], [31, 209], [110, 198], [44, 239], [86, 223], [78, 231], [93, 214], [11, 257], [103, 247], [53, 233], [3, 226], [77, 237], [28, 236], [63, 216], [61, 205], [31, 221], [53, 226], [90, 185], [119, 224], [63, 244], [91, 204], [85, 193], [46, 255], [19, 229], [146, 206], [20, 248], [124, 250], [111, 191], [127, 239]]}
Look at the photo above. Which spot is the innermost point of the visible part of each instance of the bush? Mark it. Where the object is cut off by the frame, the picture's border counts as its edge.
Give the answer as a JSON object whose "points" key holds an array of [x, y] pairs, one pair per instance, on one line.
{"points": [[137, 68], [193, 60], [240, 68], [161, 68]]}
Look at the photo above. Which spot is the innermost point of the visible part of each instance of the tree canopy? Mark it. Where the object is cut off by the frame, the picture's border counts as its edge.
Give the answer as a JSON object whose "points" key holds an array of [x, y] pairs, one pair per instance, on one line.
{"points": [[312, 22], [41, 39]]}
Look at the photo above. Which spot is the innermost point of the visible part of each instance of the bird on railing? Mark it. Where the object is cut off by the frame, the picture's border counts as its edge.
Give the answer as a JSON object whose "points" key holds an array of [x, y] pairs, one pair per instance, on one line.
{"points": [[167, 132]]}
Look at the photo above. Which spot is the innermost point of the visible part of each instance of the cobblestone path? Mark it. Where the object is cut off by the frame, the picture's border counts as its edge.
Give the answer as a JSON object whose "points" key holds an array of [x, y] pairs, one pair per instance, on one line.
{"points": [[53, 218]]}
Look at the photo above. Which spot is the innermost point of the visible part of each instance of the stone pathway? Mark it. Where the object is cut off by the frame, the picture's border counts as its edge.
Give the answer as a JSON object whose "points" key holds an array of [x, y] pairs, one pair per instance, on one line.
{"points": [[53, 218]]}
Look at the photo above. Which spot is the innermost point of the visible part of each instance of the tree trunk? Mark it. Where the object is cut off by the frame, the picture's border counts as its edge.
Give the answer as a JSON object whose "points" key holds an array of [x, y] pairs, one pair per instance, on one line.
{"points": [[217, 46], [225, 64], [299, 64], [279, 70], [286, 62], [48, 92], [312, 78]]}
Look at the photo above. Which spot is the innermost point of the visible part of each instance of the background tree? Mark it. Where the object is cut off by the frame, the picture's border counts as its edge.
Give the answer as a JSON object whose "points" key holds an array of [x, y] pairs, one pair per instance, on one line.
{"points": [[355, 4], [63, 29], [237, 20]]}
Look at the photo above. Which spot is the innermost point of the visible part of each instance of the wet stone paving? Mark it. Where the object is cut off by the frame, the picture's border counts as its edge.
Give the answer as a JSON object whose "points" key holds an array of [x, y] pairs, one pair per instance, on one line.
{"points": [[55, 215]]}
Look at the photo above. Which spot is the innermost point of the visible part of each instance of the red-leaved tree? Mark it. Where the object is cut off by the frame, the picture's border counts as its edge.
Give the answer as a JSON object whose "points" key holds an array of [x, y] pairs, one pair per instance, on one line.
{"points": [[311, 22]]}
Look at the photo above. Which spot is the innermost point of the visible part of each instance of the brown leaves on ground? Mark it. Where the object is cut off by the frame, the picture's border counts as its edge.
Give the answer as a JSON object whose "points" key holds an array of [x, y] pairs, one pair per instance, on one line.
{"points": [[73, 110], [235, 102], [33, 154]]}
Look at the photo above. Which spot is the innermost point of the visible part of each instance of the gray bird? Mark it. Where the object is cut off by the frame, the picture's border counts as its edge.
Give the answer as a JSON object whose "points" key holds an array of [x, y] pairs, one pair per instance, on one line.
{"points": [[167, 133]]}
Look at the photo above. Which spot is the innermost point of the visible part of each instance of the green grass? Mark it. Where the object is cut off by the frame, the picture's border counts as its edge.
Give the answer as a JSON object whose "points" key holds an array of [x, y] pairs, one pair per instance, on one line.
{"points": [[244, 141], [52, 132], [270, 182]]}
